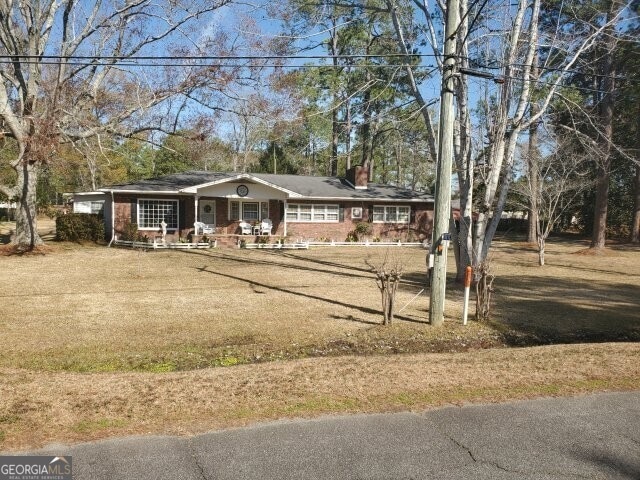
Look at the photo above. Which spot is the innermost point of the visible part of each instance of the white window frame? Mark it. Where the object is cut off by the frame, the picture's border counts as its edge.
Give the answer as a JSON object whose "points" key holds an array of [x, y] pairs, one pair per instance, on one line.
{"points": [[356, 213], [164, 200], [94, 207], [392, 211], [257, 211], [316, 211], [263, 210], [231, 216]]}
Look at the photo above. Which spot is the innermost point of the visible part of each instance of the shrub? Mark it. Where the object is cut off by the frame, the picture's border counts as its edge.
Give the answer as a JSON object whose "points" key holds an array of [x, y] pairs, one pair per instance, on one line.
{"points": [[130, 233], [80, 226], [363, 228]]}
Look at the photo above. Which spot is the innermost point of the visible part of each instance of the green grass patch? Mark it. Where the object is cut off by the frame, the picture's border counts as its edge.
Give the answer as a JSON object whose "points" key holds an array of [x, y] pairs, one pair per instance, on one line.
{"points": [[322, 404], [515, 392], [9, 418], [90, 426]]}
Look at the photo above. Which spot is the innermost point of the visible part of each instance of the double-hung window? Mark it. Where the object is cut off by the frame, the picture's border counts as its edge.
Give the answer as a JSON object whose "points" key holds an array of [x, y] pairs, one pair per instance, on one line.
{"points": [[391, 214], [152, 212], [248, 211], [302, 212]]}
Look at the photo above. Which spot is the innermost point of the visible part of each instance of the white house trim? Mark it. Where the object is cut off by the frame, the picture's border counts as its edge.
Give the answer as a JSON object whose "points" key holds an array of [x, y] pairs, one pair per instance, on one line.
{"points": [[142, 192], [242, 176]]}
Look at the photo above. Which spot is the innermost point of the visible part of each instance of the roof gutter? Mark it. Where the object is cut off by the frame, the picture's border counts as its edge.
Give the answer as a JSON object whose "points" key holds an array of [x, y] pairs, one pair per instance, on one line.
{"points": [[371, 199], [150, 192]]}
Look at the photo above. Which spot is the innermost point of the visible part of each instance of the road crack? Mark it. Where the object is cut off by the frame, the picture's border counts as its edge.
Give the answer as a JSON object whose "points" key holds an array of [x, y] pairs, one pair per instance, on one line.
{"points": [[496, 465], [195, 461]]}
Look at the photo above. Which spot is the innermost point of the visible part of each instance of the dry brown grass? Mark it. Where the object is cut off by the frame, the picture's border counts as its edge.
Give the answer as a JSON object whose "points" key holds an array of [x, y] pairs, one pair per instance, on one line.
{"points": [[38, 409], [87, 331]]}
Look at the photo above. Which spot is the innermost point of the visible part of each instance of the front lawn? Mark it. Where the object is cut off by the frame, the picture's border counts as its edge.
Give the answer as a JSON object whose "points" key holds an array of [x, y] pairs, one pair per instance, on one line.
{"points": [[100, 341]]}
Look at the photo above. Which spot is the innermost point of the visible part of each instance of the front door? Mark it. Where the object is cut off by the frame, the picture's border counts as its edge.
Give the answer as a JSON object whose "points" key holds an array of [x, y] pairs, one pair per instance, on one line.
{"points": [[207, 213]]}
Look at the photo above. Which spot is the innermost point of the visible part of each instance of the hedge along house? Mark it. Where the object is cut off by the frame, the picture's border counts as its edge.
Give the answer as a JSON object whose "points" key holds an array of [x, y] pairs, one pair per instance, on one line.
{"points": [[299, 206]]}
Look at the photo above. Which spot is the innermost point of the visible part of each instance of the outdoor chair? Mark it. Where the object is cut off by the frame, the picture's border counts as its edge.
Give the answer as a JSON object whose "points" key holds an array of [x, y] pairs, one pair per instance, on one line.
{"points": [[266, 226], [203, 228], [245, 228]]}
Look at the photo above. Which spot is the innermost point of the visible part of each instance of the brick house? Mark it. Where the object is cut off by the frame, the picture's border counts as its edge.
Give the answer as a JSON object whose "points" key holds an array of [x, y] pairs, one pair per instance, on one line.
{"points": [[299, 206]]}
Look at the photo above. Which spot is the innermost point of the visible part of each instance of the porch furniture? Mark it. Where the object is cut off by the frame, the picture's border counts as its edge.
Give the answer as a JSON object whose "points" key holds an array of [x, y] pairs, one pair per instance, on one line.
{"points": [[245, 228], [255, 229], [266, 226], [203, 228]]}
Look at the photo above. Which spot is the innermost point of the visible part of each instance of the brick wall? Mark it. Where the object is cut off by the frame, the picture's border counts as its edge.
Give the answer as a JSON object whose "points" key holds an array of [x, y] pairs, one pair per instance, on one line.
{"points": [[418, 229]]}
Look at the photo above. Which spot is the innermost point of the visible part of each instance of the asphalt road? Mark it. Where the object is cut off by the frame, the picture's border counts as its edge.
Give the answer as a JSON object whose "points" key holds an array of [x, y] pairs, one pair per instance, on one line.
{"points": [[593, 437]]}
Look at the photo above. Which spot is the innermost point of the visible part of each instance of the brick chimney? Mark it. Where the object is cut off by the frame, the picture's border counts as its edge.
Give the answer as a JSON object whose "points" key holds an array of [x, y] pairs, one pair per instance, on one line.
{"points": [[358, 176]]}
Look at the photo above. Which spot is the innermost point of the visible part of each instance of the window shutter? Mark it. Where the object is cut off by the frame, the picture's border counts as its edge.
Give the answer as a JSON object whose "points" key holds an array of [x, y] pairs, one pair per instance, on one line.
{"points": [[134, 210], [412, 214], [281, 210], [341, 213], [370, 213]]}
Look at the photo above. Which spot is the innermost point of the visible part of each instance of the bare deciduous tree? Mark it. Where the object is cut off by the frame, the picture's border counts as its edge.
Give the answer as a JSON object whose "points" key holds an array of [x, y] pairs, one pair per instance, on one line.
{"points": [[68, 78], [484, 290], [388, 275], [552, 185], [505, 37]]}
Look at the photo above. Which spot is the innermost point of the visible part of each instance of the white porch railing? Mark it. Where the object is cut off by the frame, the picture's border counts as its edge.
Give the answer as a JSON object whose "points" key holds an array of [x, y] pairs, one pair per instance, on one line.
{"points": [[168, 245]]}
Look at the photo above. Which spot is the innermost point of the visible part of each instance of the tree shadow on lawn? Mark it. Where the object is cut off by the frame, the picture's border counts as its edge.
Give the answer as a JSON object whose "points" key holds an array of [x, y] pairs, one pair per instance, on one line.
{"points": [[332, 301], [300, 258], [569, 266], [252, 261], [539, 310], [351, 271]]}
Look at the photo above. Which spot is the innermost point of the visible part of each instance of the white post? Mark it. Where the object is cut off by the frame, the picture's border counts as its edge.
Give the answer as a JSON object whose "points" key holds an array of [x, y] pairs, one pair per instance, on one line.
{"points": [[467, 287]]}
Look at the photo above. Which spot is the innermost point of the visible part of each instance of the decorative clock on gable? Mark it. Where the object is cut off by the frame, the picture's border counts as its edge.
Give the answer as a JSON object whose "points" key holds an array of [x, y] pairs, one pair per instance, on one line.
{"points": [[242, 190]]}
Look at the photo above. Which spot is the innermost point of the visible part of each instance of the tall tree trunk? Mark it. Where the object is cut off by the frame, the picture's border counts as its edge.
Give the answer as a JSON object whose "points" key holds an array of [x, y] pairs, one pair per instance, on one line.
{"points": [[335, 135], [335, 123], [635, 225], [27, 237], [365, 131], [533, 164], [348, 133], [398, 151], [541, 245], [606, 116], [463, 246]]}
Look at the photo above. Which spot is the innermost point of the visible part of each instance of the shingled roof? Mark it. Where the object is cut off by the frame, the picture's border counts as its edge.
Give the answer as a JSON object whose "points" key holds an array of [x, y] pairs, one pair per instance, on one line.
{"points": [[300, 185]]}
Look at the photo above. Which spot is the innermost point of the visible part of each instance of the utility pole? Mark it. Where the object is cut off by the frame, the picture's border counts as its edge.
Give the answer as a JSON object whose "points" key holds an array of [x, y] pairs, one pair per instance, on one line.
{"points": [[442, 210]]}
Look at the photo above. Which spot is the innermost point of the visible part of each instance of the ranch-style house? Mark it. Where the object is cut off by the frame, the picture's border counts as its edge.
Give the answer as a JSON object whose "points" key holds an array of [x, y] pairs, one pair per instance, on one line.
{"points": [[298, 206]]}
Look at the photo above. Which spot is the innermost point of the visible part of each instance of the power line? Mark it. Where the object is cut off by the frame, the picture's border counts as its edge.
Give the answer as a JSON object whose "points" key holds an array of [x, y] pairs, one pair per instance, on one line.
{"points": [[213, 57], [221, 65], [549, 69]]}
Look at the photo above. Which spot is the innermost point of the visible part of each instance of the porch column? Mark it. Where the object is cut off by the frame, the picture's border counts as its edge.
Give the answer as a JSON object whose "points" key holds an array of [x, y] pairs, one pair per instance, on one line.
{"points": [[285, 218], [195, 214]]}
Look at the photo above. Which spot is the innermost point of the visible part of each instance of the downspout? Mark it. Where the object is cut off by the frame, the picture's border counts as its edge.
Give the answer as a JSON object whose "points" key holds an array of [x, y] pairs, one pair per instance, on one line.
{"points": [[113, 219]]}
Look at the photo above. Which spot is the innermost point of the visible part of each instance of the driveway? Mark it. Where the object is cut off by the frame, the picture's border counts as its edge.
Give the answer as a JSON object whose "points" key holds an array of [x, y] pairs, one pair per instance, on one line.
{"points": [[590, 437]]}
